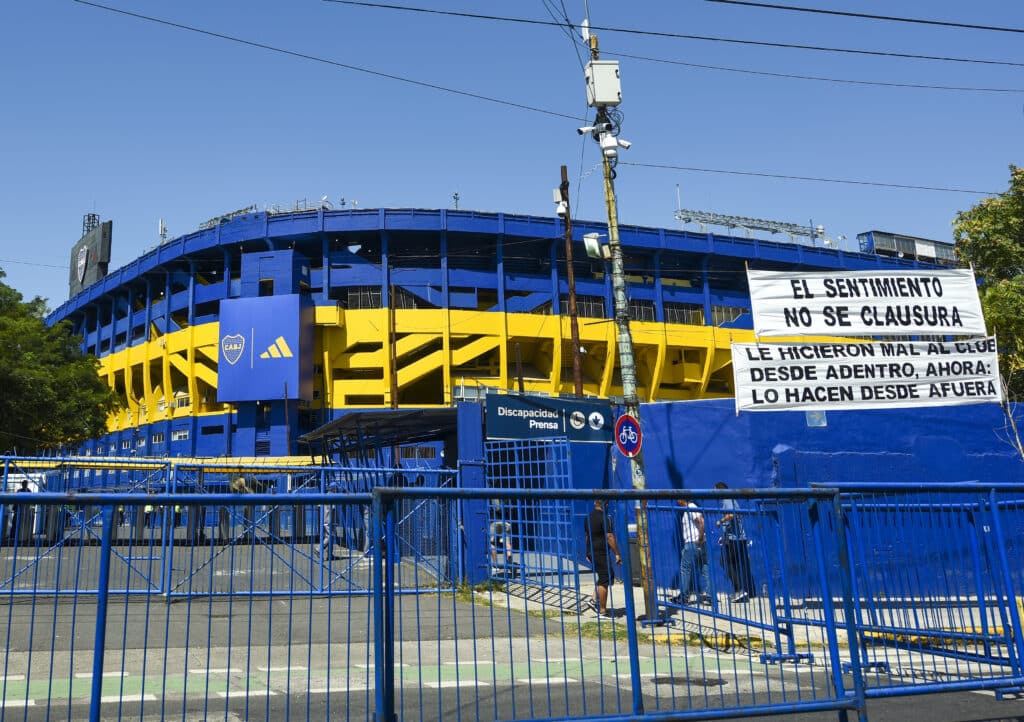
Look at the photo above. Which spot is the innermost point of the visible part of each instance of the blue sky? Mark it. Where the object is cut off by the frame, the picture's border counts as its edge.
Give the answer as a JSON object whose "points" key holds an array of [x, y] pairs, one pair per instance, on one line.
{"points": [[138, 121]]}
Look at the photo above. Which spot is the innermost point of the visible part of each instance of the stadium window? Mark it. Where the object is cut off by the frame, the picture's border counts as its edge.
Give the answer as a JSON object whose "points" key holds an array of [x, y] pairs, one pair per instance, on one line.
{"points": [[211, 430], [158, 438], [641, 309], [141, 442], [691, 314], [126, 443], [725, 314], [360, 297], [586, 306], [179, 435], [266, 286]]}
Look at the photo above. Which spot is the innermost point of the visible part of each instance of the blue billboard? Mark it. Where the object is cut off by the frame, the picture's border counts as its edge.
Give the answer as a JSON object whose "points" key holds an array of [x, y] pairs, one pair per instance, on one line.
{"points": [[265, 349], [537, 417]]}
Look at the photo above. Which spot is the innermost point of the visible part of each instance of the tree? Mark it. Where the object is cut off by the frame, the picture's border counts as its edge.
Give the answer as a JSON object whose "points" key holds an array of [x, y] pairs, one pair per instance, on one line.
{"points": [[991, 237], [51, 394]]}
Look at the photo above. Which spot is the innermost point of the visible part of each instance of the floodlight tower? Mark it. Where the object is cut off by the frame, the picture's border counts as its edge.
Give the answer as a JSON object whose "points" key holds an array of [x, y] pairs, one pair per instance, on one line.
{"points": [[604, 92]]}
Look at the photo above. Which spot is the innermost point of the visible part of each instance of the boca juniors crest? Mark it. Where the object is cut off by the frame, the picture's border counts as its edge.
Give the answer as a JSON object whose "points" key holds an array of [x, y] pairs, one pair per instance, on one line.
{"points": [[232, 346]]}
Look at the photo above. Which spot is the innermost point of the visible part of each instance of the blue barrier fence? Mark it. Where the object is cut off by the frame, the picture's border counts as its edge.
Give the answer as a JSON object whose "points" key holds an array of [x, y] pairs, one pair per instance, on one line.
{"points": [[821, 599]]}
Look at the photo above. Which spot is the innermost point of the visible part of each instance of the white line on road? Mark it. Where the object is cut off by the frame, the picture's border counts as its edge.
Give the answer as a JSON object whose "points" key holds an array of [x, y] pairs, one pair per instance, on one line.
{"points": [[549, 680], [337, 690], [282, 669], [480, 663], [15, 678], [456, 683], [88, 675], [18, 703], [215, 670], [250, 693], [370, 666]]}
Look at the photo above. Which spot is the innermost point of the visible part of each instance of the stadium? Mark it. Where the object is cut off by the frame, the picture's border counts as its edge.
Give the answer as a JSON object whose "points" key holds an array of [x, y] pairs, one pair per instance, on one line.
{"points": [[244, 336]]}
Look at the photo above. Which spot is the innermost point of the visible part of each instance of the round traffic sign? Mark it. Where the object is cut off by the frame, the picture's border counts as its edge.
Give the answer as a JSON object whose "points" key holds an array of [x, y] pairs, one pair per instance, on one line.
{"points": [[628, 437]]}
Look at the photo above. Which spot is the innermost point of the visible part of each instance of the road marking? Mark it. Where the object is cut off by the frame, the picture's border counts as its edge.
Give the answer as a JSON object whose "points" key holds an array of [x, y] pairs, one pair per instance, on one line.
{"points": [[15, 677], [480, 663], [282, 669], [88, 675], [250, 693], [370, 666], [549, 680], [18, 703], [116, 698], [456, 683], [215, 670]]}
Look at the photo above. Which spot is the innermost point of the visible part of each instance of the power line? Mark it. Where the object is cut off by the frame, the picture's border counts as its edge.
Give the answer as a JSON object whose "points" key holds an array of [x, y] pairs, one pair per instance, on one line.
{"points": [[680, 36], [477, 96], [793, 76], [30, 263], [325, 61], [868, 16], [877, 184]]}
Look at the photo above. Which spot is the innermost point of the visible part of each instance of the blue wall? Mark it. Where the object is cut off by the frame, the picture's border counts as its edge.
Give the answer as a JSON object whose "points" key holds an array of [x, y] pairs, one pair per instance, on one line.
{"points": [[694, 444]]}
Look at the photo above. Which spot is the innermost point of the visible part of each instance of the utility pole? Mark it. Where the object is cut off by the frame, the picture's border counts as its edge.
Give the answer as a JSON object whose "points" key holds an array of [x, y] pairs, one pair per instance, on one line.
{"points": [[604, 91], [565, 210]]}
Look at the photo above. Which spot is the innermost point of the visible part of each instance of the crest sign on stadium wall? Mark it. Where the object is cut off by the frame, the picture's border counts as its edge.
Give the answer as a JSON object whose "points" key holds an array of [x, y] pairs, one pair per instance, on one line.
{"points": [[232, 346], [81, 262]]}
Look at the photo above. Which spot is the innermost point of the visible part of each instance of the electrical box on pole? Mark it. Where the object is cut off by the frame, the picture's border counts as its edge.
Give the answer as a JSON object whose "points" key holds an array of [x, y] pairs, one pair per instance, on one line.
{"points": [[604, 88]]}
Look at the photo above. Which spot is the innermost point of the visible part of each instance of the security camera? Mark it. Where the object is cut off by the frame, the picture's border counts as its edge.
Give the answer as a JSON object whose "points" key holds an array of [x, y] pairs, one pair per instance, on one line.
{"points": [[624, 144], [596, 128]]}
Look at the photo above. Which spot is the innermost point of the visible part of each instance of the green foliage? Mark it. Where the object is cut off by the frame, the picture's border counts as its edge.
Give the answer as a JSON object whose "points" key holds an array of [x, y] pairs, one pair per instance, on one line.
{"points": [[990, 236], [51, 394]]}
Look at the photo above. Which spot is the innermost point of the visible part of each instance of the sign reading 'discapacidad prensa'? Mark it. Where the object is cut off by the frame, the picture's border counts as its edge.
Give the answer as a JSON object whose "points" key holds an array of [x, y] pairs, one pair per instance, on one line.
{"points": [[866, 303], [881, 375]]}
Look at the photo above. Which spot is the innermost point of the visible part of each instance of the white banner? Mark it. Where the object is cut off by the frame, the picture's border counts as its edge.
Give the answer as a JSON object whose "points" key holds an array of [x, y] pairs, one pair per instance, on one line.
{"points": [[866, 303], [881, 375]]}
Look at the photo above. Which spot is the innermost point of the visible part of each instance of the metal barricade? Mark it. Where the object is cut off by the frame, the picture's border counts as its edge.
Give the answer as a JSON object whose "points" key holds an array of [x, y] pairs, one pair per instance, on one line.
{"points": [[827, 599], [490, 652], [253, 632], [937, 585]]}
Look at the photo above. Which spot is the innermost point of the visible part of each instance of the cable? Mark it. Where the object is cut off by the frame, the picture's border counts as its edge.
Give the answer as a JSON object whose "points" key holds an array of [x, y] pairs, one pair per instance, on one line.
{"points": [[683, 36], [314, 58], [867, 16], [813, 179], [919, 86], [30, 263]]}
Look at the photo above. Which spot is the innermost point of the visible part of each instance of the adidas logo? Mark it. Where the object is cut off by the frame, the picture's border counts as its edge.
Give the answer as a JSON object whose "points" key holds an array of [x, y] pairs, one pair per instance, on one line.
{"points": [[278, 349]]}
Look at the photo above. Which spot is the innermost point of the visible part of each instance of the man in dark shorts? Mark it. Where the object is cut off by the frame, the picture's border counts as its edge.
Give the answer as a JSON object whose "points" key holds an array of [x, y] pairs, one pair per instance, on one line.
{"points": [[601, 542]]}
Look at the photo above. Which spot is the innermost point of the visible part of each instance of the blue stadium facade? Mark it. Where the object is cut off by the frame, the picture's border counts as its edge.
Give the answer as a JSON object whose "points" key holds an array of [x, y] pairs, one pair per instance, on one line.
{"points": [[239, 338]]}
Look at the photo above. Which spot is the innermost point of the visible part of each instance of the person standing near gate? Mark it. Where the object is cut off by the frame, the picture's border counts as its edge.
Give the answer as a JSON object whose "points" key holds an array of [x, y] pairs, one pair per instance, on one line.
{"points": [[693, 558], [500, 532], [735, 557], [329, 533], [601, 541], [21, 518]]}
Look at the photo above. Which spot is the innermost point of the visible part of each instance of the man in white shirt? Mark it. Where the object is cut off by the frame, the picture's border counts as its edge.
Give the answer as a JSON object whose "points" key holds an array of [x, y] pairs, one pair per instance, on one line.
{"points": [[693, 558]]}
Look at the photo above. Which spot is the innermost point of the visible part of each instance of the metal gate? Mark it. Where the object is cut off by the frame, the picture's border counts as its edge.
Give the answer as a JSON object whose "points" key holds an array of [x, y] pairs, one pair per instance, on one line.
{"points": [[532, 542]]}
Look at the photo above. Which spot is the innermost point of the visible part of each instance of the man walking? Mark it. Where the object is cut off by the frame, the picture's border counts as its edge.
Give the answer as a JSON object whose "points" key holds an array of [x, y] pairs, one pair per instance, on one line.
{"points": [[601, 541], [735, 557], [693, 558]]}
